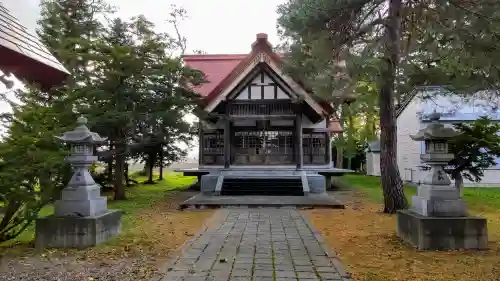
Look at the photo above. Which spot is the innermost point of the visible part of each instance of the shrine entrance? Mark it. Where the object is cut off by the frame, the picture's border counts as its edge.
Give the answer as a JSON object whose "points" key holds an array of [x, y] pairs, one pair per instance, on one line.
{"points": [[263, 145]]}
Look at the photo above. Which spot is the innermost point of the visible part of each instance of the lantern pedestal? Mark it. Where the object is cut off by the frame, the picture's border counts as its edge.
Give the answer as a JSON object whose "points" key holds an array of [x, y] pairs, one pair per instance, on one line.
{"points": [[81, 218], [438, 219], [438, 208], [80, 208], [76, 232], [442, 233], [438, 201]]}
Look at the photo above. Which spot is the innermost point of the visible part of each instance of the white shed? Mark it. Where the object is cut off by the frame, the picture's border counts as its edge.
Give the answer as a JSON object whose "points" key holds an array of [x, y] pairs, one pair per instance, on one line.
{"points": [[413, 115], [372, 154]]}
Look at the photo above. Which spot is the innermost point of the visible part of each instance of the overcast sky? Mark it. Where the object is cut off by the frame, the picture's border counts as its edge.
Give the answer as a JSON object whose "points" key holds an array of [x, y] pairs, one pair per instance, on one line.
{"points": [[213, 26]]}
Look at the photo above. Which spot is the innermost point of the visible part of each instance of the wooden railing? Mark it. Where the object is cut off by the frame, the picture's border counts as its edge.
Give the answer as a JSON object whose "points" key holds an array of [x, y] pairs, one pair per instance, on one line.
{"points": [[252, 148], [261, 108]]}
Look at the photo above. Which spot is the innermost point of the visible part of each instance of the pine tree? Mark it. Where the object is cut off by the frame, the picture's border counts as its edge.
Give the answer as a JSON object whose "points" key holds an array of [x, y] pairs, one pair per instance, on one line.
{"points": [[394, 45], [139, 93]]}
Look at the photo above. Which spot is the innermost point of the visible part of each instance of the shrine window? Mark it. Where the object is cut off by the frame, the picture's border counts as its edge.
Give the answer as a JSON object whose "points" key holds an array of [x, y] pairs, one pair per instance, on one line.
{"points": [[314, 147]]}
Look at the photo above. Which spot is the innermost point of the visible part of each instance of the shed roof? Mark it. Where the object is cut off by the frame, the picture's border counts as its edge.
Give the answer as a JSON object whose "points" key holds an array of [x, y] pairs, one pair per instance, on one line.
{"points": [[373, 146], [23, 55], [453, 107]]}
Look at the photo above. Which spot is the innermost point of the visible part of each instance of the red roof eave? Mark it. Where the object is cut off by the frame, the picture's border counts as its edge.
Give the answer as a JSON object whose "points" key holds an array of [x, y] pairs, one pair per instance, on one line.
{"points": [[238, 63]]}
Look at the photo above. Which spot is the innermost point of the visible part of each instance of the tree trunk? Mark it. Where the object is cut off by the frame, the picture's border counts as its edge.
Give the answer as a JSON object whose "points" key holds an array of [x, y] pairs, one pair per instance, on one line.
{"points": [[150, 165], [110, 165], [394, 198], [350, 138], [45, 186], [161, 163], [125, 173], [340, 158], [119, 171], [340, 149], [459, 182], [110, 169]]}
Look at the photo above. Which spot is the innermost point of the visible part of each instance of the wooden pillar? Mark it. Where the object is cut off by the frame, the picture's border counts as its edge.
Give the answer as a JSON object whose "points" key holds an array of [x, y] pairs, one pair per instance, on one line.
{"points": [[328, 143], [227, 143], [201, 145], [299, 150]]}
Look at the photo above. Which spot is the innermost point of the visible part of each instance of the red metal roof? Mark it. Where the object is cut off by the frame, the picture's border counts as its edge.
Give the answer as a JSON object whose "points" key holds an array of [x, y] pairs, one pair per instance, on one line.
{"points": [[334, 127], [23, 55], [220, 70], [215, 67]]}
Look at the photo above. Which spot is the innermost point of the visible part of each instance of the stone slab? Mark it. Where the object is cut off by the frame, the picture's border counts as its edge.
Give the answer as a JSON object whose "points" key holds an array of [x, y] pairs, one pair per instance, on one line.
{"points": [[82, 208], [305, 183], [76, 232], [438, 192], [442, 233], [81, 192], [322, 170], [312, 200], [438, 208], [255, 234], [317, 183], [208, 183]]}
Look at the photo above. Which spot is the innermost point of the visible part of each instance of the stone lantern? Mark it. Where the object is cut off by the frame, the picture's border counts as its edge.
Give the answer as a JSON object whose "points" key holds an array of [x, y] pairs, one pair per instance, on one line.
{"points": [[81, 217], [437, 184], [438, 218]]}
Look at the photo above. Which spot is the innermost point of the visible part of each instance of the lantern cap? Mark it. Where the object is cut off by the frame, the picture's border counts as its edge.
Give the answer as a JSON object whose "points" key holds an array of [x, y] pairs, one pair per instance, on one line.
{"points": [[81, 134], [435, 130], [81, 120], [435, 116]]}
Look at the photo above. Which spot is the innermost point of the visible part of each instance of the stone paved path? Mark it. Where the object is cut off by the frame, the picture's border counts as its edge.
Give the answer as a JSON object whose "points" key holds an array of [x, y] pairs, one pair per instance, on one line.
{"points": [[257, 245]]}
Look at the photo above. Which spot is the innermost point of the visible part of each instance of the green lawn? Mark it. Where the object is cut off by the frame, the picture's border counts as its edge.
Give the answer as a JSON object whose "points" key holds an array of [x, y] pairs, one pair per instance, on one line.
{"points": [[139, 196], [476, 197]]}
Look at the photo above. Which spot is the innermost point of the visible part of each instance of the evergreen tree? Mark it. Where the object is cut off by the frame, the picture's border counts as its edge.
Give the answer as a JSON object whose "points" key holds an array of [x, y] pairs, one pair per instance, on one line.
{"points": [[393, 45], [475, 149], [139, 93], [32, 169]]}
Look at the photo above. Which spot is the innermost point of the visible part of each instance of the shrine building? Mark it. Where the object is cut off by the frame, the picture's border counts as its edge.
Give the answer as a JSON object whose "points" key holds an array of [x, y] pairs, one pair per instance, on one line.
{"points": [[265, 134]]}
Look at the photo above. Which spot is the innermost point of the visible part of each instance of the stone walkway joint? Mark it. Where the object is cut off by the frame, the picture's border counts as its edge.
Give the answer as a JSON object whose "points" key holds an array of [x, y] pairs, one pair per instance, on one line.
{"points": [[257, 245]]}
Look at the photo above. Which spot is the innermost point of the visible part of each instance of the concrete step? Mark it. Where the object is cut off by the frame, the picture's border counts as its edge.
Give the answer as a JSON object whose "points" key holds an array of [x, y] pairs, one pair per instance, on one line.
{"points": [[262, 186]]}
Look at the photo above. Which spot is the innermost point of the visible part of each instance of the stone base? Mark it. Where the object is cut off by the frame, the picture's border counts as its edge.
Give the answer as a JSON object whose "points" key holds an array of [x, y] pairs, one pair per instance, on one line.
{"points": [[438, 208], [76, 232], [317, 183], [442, 233], [208, 183], [436, 192], [81, 208]]}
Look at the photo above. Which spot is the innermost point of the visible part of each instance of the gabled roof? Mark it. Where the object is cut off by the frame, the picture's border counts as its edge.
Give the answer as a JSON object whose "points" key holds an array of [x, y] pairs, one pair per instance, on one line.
{"points": [[24, 56], [215, 67], [373, 146], [222, 70], [416, 91], [334, 126], [453, 107]]}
